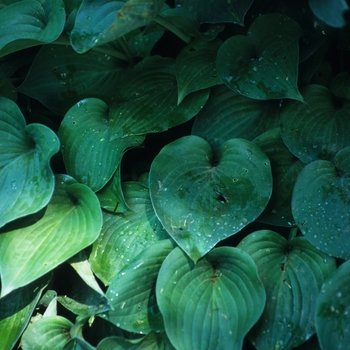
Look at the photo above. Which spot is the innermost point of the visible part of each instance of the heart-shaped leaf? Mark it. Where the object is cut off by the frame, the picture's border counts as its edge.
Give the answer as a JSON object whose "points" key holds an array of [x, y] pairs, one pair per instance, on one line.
{"points": [[125, 235], [321, 204], [134, 308], [292, 273], [318, 128], [147, 99], [235, 116], [207, 11], [72, 221], [59, 77], [285, 170], [25, 172], [195, 67], [333, 310], [29, 23], [91, 150], [200, 202], [101, 21], [16, 309], [210, 295], [264, 64]]}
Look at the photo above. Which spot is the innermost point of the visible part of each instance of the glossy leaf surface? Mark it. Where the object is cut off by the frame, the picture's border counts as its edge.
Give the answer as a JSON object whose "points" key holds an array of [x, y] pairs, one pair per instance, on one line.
{"points": [[292, 273], [25, 153], [264, 64], [211, 295], [200, 202]]}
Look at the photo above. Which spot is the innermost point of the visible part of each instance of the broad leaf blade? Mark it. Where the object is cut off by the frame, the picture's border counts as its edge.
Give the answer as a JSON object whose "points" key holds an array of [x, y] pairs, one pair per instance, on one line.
{"points": [[210, 295], [25, 153], [91, 150], [201, 202], [100, 21], [72, 221], [333, 305], [321, 204], [292, 273], [30, 22], [330, 11], [264, 64]]}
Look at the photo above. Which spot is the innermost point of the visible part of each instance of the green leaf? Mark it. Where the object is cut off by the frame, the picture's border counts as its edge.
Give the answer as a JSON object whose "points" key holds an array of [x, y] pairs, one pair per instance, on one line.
{"points": [[91, 149], [321, 204], [285, 170], [25, 153], [146, 100], [340, 85], [134, 306], [195, 67], [235, 116], [264, 64], [72, 221], [318, 128], [30, 22], [59, 77], [207, 11], [333, 305], [210, 295], [47, 333], [330, 11], [292, 273], [16, 309], [125, 235], [100, 21], [201, 202]]}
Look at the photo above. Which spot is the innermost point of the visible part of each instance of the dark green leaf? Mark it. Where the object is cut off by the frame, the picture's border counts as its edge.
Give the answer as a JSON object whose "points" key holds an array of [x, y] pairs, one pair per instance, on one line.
{"points": [[330, 11], [72, 221], [340, 85], [333, 310], [195, 67], [16, 309], [131, 293], [30, 22], [147, 99], [100, 21], [201, 203], [292, 273], [207, 305], [59, 77], [7, 89], [318, 128], [228, 115], [208, 11], [25, 153], [91, 149], [124, 236], [285, 170], [321, 204], [264, 64]]}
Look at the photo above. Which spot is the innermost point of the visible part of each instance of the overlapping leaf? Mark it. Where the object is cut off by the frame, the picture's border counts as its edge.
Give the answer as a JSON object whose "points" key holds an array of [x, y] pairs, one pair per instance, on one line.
{"points": [[285, 170], [321, 204], [30, 22], [207, 305], [264, 64], [131, 293], [72, 221], [100, 21], [318, 128], [26, 179], [59, 77], [125, 235], [228, 115], [147, 99], [292, 273], [333, 310], [91, 149], [200, 200]]}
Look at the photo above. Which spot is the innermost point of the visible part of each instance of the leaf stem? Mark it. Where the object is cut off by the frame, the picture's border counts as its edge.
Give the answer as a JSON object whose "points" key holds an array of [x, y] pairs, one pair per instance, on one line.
{"points": [[293, 233], [173, 28], [125, 47]]}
